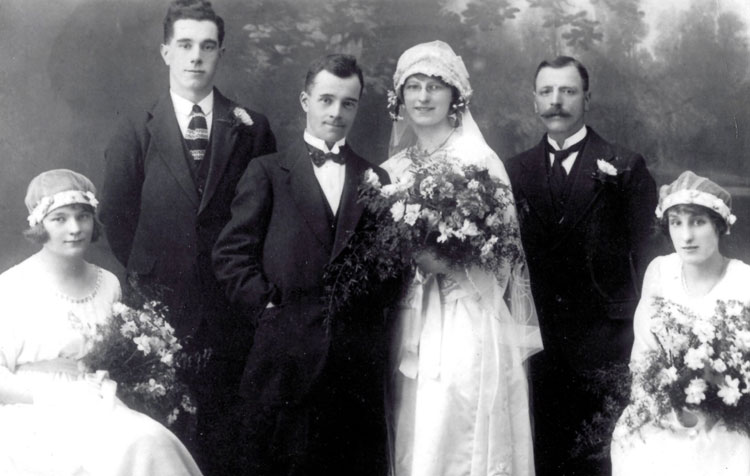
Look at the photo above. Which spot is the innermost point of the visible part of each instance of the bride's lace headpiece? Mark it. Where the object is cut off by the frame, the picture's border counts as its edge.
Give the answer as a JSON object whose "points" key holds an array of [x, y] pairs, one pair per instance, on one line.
{"points": [[692, 189], [57, 188], [437, 59]]}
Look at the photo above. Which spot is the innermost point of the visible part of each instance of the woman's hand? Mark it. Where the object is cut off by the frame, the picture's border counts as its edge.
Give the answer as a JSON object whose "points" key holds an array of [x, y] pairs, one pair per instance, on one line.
{"points": [[695, 419], [429, 263]]}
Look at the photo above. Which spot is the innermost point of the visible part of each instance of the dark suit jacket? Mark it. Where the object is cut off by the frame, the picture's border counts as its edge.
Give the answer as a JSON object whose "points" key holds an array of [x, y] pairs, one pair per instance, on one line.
{"points": [[157, 224], [586, 271], [275, 249]]}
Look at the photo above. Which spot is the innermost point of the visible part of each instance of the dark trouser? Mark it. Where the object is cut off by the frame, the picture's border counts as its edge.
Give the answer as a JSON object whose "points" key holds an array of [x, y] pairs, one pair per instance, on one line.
{"points": [[337, 428], [562, 402]]}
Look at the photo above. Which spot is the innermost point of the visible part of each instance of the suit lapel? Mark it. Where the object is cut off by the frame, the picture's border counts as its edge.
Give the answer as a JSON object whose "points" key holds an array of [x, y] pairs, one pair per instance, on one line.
{"points": [[350, 208], [223, 138], [306, 193], [584, 191], [167, 139], [535, 184]]}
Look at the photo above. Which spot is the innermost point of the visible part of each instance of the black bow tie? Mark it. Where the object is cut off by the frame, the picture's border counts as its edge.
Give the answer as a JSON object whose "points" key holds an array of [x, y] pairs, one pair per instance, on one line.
{"points": [[319, 157]]}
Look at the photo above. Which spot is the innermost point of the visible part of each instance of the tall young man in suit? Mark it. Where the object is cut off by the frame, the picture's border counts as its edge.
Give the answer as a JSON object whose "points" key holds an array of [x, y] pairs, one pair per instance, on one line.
{"points": [[586, 210], [313, 383], [171, 172]]}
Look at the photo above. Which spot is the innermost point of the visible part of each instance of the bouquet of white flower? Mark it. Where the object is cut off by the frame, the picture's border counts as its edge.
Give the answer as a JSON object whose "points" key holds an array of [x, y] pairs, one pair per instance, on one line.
{"points": [[441, 204], [455, 209], [141, 353], [702, 365]]}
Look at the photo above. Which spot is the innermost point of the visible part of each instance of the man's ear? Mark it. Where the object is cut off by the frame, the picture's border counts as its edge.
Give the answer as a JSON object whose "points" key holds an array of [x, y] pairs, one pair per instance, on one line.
{"points": [[304, 100], [533, 100], [164, 50], [586, 99]]}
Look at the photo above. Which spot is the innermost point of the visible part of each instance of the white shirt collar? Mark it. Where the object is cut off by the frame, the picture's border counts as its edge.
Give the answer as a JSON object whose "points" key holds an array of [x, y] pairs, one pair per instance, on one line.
{"points": [[574, 139], [321, 144], [184, 106]]}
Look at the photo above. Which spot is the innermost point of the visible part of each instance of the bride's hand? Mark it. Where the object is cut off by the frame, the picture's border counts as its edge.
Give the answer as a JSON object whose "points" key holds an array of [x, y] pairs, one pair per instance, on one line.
{"points": [[691, 419], [429, 263]]}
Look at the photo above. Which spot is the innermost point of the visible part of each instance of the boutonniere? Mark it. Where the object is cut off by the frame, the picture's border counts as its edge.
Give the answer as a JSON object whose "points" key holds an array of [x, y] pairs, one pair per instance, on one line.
{"points": [[242, 115], [607, 170]]}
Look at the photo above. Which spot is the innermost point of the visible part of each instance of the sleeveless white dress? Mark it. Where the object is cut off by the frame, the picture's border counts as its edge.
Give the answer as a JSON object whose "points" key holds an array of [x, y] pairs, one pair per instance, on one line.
{"points": [[460, 396], [695, 451], [68, 431]]}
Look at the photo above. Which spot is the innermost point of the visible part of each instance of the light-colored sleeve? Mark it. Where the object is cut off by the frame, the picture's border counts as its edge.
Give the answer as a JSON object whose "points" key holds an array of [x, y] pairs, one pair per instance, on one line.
{"points": [[644, 339], [11, 345]]}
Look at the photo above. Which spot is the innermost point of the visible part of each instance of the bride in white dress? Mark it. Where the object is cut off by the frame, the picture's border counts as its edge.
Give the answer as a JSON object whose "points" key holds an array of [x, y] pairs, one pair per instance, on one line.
{"points": [[695, 213], [459, 387], [56, 420]]}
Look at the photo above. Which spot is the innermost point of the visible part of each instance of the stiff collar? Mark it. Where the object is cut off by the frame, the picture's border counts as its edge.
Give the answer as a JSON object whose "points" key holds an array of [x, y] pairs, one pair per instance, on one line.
{"points": [[574, 139], [184, 107], [321, 144]]}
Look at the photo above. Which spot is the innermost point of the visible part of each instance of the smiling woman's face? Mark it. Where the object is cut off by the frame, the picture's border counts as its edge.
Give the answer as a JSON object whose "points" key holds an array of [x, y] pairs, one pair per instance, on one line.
{"points": [[427, 100], [70, 229]]}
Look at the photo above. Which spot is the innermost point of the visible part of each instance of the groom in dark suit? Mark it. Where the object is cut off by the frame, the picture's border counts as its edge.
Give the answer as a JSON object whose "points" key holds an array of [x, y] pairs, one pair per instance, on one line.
{"points": [[313, 384], [171, 172], [586, 210]]}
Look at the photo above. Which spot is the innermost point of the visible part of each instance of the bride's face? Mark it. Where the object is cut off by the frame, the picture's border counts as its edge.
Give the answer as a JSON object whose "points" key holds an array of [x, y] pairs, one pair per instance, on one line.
{"points": [[69, 228], [427, 100], [694, 236]]}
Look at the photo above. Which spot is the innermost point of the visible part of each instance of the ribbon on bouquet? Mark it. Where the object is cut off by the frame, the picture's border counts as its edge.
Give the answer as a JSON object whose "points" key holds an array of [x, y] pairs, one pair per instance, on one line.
{"points": [[422, 328]]}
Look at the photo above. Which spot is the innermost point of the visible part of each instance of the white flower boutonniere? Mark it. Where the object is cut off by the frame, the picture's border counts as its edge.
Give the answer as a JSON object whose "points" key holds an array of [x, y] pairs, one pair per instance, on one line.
{"points": [[607, 171], [243, 116], [606, 168]]}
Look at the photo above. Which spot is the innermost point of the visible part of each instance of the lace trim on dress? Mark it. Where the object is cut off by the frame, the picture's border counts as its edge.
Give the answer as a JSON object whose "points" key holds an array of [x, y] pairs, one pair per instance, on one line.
{"points": [[85, 299]]}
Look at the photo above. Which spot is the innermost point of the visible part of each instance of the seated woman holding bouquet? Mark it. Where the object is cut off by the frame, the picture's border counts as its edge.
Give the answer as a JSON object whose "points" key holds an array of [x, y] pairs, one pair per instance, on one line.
{"points": [[689, 410], [460, 400], [55, 419]]}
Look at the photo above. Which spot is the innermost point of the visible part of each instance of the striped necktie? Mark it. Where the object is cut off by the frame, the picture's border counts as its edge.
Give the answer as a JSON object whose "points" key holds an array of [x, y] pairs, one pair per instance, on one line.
{"points": [[197, 134]]}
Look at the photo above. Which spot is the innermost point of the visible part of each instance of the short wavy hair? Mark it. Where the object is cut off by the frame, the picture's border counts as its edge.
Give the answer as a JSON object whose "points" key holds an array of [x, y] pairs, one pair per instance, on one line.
{"points": [[191, 10], [340, 65]]}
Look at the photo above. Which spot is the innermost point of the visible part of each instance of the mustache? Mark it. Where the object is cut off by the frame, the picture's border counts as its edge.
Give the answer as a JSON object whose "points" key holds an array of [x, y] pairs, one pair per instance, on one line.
{"points": [[555, 112]]}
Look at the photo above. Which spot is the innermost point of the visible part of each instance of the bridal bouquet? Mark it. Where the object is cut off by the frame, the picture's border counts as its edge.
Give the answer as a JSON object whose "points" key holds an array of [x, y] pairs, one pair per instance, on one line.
{"points": [[440, 204], [141, 353], [702, 365]]}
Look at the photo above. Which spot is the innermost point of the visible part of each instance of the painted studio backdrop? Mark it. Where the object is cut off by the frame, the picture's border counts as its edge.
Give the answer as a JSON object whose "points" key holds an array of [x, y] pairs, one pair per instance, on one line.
{"points": [[670, 79]]}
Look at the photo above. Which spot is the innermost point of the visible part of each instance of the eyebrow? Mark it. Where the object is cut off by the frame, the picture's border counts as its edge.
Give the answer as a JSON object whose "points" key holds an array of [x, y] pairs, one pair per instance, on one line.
{"points": [[203, 42], [327, 95]]}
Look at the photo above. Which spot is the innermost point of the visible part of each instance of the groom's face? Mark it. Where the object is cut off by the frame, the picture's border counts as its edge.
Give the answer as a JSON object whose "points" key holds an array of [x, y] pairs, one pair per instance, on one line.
{"points": [[560, 101], [331, 105]]}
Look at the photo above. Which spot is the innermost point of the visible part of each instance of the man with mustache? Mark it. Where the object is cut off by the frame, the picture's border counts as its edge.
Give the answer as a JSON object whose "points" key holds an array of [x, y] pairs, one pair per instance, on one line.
{"points": [[313, 385], [586, 211], [170, 176]]}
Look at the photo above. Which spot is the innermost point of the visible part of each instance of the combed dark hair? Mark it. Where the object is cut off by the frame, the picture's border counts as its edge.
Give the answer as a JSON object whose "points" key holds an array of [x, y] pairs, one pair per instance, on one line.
{"points": [[561, 62], [720, 225], [191, 10], [340, 65], [38, 235]]}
